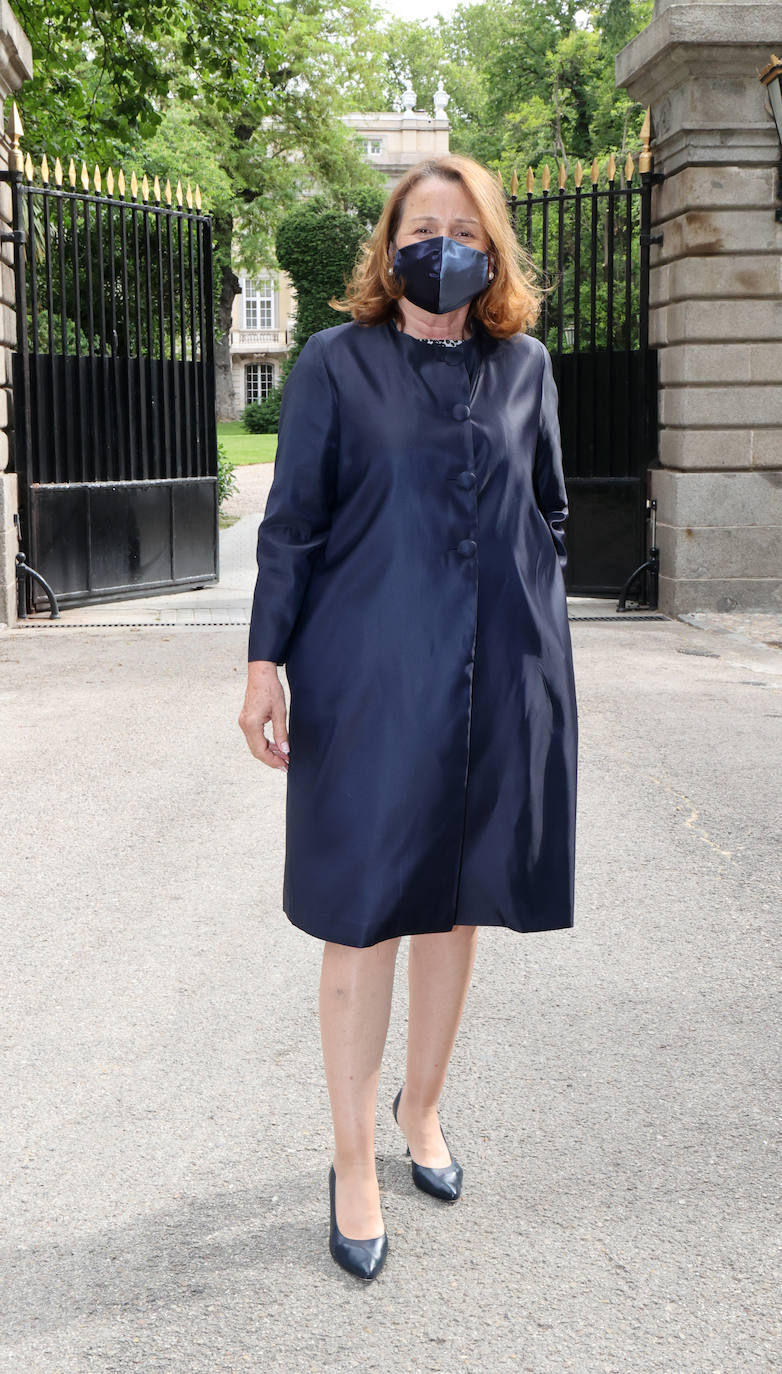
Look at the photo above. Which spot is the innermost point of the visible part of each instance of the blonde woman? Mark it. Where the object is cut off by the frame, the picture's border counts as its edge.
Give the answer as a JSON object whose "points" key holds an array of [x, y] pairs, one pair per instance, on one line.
{"points": [[410, 579]]}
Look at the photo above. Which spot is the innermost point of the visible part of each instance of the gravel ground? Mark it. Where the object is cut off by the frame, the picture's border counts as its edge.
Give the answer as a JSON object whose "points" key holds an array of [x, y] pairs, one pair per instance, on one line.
{"points": [[252, 487], [166, 1142]]}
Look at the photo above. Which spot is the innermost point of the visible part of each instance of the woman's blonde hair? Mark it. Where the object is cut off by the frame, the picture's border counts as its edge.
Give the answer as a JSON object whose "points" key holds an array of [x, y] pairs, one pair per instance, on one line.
{"points": [[508, 305]]}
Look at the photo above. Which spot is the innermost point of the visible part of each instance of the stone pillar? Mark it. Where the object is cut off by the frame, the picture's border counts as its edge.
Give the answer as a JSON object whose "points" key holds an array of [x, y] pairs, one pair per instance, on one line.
{"points": [[715, 300], [16, 66]]}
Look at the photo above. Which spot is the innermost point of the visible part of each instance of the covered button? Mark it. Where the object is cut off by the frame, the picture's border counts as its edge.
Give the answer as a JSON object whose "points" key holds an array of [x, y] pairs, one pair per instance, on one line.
{"points": [[465, 480], [467, 548], [461, 412]]}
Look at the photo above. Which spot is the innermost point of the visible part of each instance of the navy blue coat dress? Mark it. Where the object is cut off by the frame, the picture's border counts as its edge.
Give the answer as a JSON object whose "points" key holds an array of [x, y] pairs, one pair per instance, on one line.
{"points": [[410, 578]]}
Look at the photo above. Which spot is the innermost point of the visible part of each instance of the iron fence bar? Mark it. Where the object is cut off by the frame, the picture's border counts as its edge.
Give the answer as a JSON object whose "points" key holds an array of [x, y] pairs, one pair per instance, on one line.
{"points": [[593, 269], [152, 410], [176, 434], [187, 455], [560, 265], [66, 411], [110, 456], [202, 346], [162, 465], [79, 473], [610, 266], [198, 445], [209, 360], [544, 262], [577, 324], [628, 321], [528, 228], [22, 419], [131, 435]]}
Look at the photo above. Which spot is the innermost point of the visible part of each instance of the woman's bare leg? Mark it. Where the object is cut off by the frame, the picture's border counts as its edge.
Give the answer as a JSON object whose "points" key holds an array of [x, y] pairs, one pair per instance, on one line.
{"points": [[356, 986], [440, 968]]}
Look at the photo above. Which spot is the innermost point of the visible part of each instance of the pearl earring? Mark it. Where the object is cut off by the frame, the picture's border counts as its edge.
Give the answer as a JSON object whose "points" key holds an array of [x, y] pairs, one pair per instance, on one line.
{"points": [[491, 276]]}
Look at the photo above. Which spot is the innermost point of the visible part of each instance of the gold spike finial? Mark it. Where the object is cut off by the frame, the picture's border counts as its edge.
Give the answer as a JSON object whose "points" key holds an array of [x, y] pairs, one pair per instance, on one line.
{"points": [[45, 170], [629, 168], [546, 177], [645, 159], [85, 177], [145, 188], [57, 172], [71, 173], [561, 176], [514, 183], [578, 175], [110, 182], [611, 168], [134, 185], [121, 183], [189, 196], [198, 196], [15, 131], [168, 191], [156, 188], [179, 194], [29, 170], [530, 181], [96, 178], [594, 172]]}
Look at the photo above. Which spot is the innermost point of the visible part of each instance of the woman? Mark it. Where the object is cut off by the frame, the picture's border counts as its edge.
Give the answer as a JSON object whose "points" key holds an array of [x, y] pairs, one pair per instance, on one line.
{"points": [[411, 580]]}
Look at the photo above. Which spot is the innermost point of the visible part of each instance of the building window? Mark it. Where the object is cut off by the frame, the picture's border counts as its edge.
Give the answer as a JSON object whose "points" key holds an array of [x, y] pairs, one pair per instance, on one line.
{"points": [[258, 305], [372, 146], [258, 382]]}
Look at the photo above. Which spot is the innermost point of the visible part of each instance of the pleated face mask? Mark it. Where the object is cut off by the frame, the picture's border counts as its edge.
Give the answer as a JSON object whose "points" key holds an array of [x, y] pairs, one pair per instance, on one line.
{"points": [[440, 274]]}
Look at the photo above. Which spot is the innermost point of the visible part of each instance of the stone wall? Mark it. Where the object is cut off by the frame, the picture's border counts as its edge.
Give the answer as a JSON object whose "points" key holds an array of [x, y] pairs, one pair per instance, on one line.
{"points": [[15, 68], [715, 300]]}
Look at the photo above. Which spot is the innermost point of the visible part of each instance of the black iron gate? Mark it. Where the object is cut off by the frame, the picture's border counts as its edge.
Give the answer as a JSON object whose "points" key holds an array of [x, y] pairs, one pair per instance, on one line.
{"points": [[592, 244], [114, 421]]}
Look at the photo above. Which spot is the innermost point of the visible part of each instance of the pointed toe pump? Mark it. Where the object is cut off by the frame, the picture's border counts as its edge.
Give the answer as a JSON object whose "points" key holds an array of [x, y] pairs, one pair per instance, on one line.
{"points": [[362, 1258], [444, 1183]]}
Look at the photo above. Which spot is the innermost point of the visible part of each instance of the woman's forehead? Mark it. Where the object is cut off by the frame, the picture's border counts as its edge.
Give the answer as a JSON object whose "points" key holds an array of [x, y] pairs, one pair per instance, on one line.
{"points": [[434, 196]]}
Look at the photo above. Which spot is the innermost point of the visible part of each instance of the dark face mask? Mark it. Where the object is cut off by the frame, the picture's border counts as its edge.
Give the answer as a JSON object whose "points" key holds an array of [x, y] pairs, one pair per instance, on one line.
{"points": [[440, 274]]}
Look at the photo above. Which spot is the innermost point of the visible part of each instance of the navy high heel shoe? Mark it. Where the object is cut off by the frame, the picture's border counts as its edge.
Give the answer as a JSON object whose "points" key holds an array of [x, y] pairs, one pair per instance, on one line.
{"points": [[363, 1258], [444, 1183]]}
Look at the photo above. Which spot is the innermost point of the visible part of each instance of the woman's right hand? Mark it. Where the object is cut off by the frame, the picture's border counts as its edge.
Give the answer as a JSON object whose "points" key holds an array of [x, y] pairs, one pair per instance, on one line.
{"points": [[264, 701]]}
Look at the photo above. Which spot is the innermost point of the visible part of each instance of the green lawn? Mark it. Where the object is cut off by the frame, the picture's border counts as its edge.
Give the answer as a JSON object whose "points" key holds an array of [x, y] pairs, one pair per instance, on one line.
{"points": [[242, 447]]}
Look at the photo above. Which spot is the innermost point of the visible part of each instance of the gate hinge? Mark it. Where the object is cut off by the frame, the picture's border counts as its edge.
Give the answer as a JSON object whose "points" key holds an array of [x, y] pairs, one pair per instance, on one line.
{"points": [[648, 239], [16, 236]]}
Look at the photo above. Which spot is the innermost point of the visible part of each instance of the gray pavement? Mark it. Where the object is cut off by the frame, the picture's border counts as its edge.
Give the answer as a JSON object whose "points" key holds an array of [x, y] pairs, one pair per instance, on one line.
{"points": [[166, 1142]]}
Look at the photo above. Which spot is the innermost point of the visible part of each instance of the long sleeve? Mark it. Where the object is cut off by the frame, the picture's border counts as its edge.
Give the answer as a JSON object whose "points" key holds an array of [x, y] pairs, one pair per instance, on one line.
{"points": [[548, 475], [296, 525]]}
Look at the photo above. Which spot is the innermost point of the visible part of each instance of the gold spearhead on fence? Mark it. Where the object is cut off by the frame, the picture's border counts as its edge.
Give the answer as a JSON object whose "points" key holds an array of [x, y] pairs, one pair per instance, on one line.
{"points": [[156, 188], [594, 172], [29, 170], [530, 181], [110, 182], [134, 185], [145, 188], [546, 178], [96, 178], [198, 196], [514, 183], [561, 176], [57, 172], [15, 132], [85, 177], [629, 168], [121, 183], [612, 168], [189, 196], [72, 173], [168, 191], [45, 170], [578, 175], [645, 160], [179, 194]]}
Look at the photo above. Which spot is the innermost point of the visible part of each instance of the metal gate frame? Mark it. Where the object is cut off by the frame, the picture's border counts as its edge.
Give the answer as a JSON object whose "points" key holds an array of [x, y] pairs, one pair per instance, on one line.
{"points": [[114, 439], [595, 322]]}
